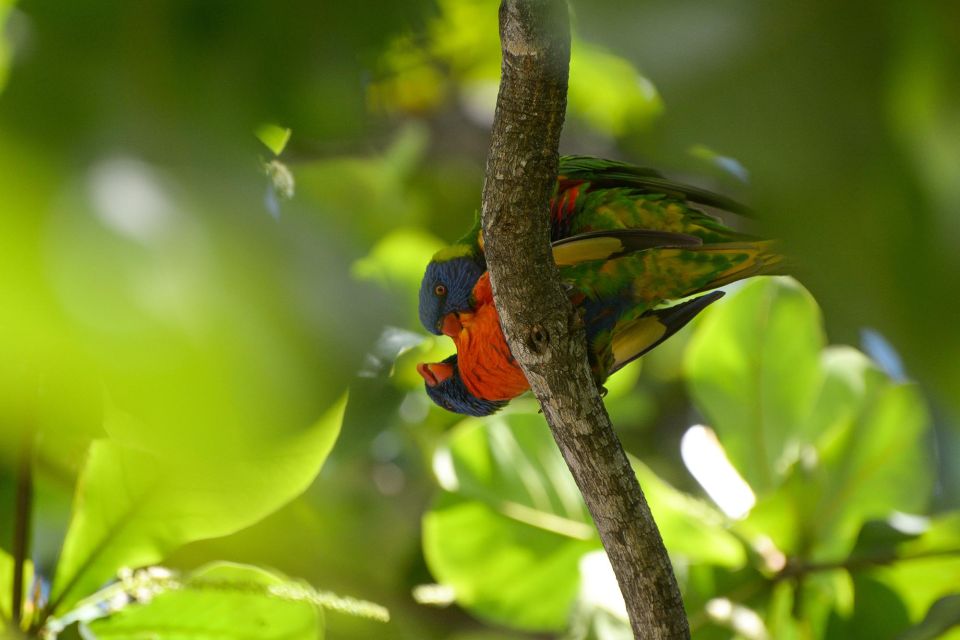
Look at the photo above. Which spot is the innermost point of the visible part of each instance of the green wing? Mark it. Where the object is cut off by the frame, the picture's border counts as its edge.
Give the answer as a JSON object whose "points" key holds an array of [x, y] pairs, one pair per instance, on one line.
{"points": [[621, 296], [611, 174], [657, 275]]}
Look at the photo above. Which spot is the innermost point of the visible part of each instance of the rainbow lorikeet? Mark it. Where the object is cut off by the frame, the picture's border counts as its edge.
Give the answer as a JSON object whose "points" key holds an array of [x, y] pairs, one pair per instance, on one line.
{"points": [[591, 195], [445, 385], [620, 299]]}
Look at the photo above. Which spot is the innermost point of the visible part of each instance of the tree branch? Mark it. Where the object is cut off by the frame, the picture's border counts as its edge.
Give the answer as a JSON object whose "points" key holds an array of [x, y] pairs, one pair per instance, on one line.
{"points": [[544, 332], [21, 523]]}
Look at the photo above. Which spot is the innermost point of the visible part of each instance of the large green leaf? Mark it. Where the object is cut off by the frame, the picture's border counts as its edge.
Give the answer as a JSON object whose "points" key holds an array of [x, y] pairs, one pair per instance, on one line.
{"points": [[868, 461], [218, 602], [826, 439], [510, 530], [877, 466], [133, 507], [752, 366], [690, 528]]}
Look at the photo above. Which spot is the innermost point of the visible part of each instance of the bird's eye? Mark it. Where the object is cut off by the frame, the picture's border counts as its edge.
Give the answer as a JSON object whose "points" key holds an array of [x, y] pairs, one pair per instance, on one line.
{"points": [[440, 290]]}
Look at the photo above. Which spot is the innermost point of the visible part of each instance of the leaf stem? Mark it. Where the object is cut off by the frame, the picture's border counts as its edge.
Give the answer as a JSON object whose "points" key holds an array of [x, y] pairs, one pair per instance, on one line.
{"points": [[22, 516], [798, 568]]}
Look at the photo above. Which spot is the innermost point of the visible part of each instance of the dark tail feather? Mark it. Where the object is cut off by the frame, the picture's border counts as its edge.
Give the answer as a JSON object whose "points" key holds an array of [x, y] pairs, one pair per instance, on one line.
{"points": [[668, 321]]}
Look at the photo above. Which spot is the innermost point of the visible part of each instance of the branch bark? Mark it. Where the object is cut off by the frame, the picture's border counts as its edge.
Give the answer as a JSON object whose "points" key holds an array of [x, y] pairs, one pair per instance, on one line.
{"points": [[544, 332]]}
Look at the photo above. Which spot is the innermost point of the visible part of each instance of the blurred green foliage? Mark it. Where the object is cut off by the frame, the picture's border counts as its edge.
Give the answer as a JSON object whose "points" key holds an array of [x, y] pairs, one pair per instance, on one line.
{"points": [[217, 601], [176, 327]]}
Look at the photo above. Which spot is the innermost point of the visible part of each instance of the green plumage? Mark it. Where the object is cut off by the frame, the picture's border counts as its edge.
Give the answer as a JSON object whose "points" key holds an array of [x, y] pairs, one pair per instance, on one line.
{"points": [[615, 295], [591, 195]]}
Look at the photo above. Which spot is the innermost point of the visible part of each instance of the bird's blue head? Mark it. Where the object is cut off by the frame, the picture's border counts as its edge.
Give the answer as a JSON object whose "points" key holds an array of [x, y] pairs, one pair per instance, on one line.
{"points": [[445, 387], [446, 288]]}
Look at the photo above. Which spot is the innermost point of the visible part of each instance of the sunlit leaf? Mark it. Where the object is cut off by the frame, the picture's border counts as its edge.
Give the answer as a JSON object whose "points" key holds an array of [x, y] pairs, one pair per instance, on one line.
{"points": [[219, 602], [510, 528], [690, 528], [878, 466], [865, 459], [274, 137], [397, 261], [6, 585], [6, 576], [509, 531], [371, 191], [461, 57], [608, 93], [133, 507], [928, 568], [5, 7], [752, 366]]}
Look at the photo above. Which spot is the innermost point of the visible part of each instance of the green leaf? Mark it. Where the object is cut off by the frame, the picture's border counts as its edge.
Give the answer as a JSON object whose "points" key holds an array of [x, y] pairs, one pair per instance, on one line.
{"points": [[6, 580], [222, 601], [274, 137], [880, 537], [943, 615], [928, 567], [878, 610], [5, 7], [752, 366], [605, 91], [6, 586], [608, 93], [841, 394], [868, 459], [510, 528], [878, 466], [941, 536], [397, 260], [132, 507], [690, 528]]}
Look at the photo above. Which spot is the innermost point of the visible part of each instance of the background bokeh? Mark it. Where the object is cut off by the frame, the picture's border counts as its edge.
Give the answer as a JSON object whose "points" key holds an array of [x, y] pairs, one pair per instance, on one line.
{"points": [[168, 283]]}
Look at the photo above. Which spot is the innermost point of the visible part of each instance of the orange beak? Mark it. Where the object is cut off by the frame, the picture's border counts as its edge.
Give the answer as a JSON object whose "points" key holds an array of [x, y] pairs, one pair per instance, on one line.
{"points": [[434, 373]]}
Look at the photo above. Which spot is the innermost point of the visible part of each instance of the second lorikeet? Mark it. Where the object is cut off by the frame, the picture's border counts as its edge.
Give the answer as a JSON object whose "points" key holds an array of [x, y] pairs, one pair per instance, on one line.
{"points": [[445, 385], [591, 195], [619, 298]]}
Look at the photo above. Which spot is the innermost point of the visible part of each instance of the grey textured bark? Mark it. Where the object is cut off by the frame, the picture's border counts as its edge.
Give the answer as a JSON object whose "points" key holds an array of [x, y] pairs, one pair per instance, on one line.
{"points": [[544, 332]]}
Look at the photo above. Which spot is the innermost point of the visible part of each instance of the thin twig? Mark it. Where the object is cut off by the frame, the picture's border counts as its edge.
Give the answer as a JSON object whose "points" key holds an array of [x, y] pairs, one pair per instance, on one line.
{"points": [[21, 522], [799, 568]]}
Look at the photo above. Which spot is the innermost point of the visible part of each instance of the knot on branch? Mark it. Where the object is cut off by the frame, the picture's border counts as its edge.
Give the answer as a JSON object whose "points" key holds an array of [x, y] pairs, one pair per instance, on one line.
{"points": [[539, 338]]}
